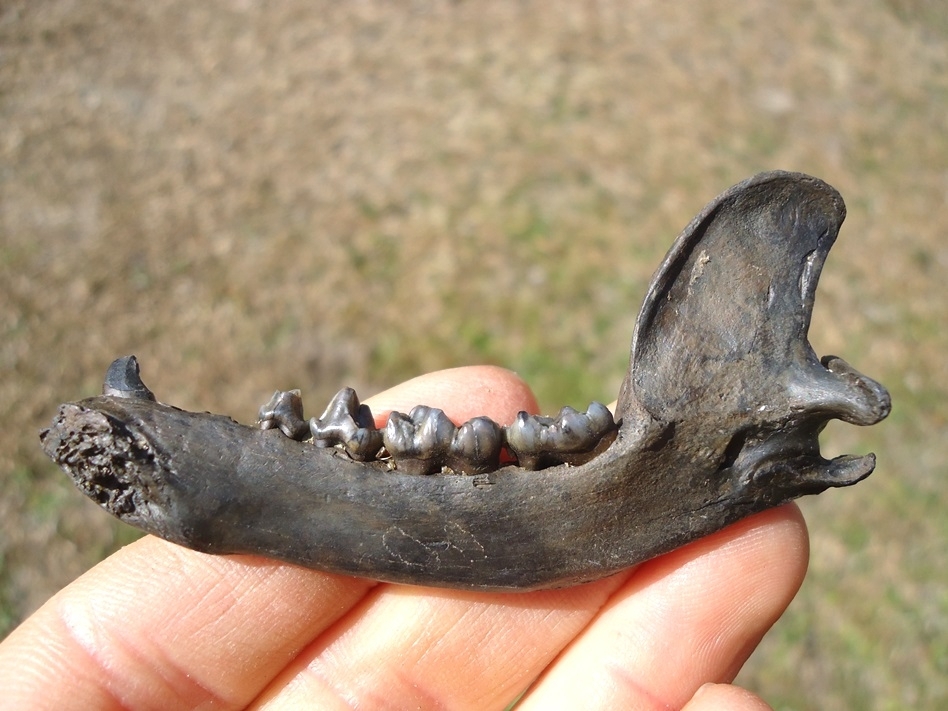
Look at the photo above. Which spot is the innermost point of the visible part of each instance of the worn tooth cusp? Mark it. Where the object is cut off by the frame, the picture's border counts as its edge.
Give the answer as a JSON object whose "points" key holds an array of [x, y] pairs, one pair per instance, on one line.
{"points": [[285, 411], [420, 441], [571, 437], [348, 423]]}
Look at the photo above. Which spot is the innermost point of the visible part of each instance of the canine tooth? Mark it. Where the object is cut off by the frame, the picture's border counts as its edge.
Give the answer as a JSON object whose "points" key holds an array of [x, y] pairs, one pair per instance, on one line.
{"points": [[123, 379]]}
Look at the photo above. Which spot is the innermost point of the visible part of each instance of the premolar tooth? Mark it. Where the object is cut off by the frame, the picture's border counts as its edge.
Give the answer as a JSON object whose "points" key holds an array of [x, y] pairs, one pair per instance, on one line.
{"points": [[420, 441], [284, 410], [349, 423], [398, 435], [476, 446]]}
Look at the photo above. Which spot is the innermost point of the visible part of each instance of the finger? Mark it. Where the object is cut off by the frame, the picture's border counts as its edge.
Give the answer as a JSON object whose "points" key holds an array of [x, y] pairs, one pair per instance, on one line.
{"points": [[160, 626], [418, 648], [687, 618], [462, 393], [725, 697]]}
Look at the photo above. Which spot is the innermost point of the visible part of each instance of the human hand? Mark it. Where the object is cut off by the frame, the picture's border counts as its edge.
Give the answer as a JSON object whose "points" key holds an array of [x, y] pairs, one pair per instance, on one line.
{"points": [[159, 626]]}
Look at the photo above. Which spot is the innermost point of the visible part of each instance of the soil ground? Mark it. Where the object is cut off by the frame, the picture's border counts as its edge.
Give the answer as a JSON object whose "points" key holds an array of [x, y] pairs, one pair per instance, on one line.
{"points": [[301, 194]]}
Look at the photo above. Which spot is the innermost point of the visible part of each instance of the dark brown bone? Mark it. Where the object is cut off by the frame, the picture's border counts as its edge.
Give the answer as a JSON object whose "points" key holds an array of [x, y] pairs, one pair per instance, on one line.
{"points": [[720, 413]]}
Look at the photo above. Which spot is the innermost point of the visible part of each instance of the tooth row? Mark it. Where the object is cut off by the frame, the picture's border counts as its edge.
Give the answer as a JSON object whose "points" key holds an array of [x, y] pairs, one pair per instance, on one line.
{"points": [[425, 441]]}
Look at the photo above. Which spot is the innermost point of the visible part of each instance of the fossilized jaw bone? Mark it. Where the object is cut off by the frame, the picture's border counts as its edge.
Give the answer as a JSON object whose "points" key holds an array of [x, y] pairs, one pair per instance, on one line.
{"points": [[719, 415]]}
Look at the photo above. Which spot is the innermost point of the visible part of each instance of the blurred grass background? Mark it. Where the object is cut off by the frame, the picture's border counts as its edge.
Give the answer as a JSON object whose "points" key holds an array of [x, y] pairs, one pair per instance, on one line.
{"points": [[251, 196]]}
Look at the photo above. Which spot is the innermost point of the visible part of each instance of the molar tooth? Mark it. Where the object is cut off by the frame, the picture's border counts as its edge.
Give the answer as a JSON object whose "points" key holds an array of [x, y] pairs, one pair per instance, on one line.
{"points": [[284, 410], [476, 446], [581, 431], [338, 417], [600, 417], [526, 438], [594, 431], [570, 428], [570, 438], [519, 434], [349, 423]]}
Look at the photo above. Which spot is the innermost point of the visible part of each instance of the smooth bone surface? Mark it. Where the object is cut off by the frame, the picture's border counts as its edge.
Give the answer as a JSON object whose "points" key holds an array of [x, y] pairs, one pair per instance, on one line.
{"points": [[718, 418]]}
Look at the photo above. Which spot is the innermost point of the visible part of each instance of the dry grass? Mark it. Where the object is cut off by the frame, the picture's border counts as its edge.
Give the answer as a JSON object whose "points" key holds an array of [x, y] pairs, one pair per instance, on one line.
{"points": [[318, 194]]}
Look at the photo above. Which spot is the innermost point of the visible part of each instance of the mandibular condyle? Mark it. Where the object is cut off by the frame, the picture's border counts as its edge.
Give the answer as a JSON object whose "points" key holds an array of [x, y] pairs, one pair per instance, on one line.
{"points": [[718, 418]]}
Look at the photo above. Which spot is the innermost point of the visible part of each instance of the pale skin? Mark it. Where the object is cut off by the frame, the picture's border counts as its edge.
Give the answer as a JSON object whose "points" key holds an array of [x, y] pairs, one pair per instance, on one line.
{"points": [[156, 626]]}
